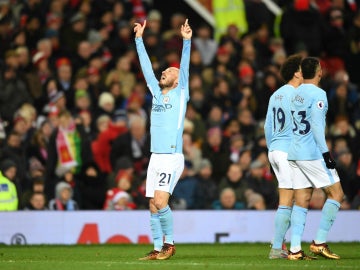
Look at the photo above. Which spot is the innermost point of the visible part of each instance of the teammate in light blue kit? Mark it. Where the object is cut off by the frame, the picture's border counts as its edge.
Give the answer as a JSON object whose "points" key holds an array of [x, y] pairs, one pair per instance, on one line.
{"points": [[170, 97], [278, 134], [312, 164]]}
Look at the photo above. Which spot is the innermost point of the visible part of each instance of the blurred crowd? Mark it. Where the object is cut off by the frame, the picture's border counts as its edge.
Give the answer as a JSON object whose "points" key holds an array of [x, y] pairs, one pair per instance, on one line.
{"points": [[74, 106]]}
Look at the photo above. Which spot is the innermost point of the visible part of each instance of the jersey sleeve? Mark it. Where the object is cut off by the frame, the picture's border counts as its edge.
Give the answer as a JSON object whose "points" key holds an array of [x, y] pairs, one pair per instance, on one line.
{"points": [[184, 66], [145, 64], [268, 125], [318, 116]]}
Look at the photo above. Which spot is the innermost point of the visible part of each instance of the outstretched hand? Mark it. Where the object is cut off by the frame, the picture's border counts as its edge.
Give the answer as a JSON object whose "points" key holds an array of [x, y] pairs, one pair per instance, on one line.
{"points": [[186, 31], [139, 29]]}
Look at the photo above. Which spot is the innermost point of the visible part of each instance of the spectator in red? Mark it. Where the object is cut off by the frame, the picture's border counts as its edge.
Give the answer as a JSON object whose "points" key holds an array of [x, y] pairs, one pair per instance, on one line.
{"points": [[101, 146], [119, 198]]}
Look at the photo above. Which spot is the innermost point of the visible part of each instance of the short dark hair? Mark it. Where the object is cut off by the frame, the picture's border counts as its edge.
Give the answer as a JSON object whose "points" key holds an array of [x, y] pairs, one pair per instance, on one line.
{"points": [[309, 66], [290, 66]]}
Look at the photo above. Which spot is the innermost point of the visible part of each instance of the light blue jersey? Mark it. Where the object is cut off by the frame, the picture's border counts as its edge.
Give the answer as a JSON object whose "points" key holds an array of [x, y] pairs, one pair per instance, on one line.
{"points": [[278, 121], [168, 111], [309, 106]]}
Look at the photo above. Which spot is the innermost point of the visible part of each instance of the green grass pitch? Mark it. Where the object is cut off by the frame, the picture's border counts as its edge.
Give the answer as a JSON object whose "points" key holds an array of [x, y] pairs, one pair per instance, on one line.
{"points": [[188, 256]]}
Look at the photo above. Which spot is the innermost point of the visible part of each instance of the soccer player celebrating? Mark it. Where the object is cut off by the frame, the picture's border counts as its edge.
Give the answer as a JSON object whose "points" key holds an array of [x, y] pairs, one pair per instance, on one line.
{"points": [[278, 134], [170, 97], [311, 162]]}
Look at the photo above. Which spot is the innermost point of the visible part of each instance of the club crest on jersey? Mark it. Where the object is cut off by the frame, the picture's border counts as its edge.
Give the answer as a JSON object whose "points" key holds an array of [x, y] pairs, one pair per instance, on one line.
{"points": [[320, 104], [166, 99]]}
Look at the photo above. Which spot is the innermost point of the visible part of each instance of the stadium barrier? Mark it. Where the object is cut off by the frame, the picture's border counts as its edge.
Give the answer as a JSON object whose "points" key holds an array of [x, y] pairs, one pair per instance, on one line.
{"points": [[100, 227]]}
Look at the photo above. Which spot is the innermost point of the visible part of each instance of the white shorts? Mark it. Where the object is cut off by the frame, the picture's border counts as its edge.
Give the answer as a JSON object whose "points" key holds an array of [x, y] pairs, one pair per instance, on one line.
{"points": [[163, 172], [312, 173], [281, 167]]}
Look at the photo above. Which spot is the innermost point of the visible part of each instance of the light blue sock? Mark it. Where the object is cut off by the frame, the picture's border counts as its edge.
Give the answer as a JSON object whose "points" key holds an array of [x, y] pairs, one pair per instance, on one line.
{"points": [[298, 219], [282, 224], [328, 216], [156, 231], [166, 220]]}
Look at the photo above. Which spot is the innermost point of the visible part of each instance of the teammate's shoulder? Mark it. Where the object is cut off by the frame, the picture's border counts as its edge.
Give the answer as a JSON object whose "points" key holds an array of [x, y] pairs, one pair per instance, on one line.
{"points": [[318, 91], [286, 87], [310, 88], [283, 90]]}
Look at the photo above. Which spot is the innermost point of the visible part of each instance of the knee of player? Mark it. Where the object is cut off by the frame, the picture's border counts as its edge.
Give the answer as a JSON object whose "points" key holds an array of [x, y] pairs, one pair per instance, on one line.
{"points": [[160, 203], [303, 196], [337, 196]]}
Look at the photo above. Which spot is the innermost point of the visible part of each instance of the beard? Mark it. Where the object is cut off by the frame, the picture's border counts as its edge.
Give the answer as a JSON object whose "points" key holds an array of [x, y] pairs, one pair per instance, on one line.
{"points": [[165, 84], [162, 85]]}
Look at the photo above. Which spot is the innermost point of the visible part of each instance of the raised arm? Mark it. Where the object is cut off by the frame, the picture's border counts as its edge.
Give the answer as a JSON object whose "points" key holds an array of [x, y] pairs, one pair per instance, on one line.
{"points": [[145, 62], [186, 33]]}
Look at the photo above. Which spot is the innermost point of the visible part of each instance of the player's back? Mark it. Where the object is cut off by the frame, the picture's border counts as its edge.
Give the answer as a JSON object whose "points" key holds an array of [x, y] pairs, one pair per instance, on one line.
{"points": [[308, 107], [278, 123]]}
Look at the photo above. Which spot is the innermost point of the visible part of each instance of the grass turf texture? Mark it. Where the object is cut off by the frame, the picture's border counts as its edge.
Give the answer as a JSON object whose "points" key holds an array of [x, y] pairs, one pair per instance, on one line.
{"points": [[188, 256]]}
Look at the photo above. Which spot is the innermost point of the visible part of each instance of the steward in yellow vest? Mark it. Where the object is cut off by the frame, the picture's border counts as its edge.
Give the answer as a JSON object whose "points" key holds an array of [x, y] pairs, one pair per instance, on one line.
{"points": [[8, 195]]}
